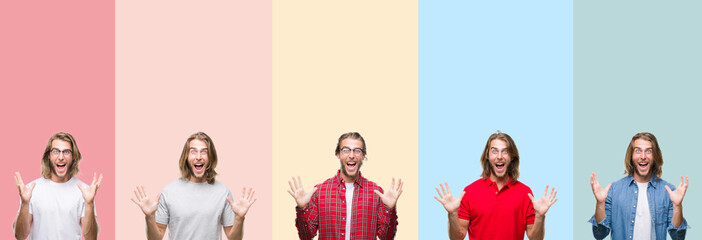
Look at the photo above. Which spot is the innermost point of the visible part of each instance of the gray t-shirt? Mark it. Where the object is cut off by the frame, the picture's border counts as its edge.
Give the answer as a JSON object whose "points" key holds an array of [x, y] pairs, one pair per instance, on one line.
{"points": [[195, 210]]}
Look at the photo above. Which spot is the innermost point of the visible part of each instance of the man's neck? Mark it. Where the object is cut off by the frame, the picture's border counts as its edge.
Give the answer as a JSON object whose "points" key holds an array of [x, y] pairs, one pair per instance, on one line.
{"points": [[58, 179], [349, 179], [500, 181], [642, 179]]}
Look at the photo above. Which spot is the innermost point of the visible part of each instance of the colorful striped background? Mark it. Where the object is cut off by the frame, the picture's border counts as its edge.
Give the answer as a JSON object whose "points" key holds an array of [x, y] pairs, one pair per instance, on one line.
{"points": [[274, 83]]}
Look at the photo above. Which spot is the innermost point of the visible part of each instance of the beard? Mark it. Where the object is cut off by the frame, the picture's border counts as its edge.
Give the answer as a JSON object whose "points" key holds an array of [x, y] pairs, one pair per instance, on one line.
{"points": [[346, 173], [53, 168]]}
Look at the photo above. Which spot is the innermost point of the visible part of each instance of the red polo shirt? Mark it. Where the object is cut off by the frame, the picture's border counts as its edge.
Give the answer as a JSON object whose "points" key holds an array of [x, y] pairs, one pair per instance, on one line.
{"points": [[496, 215]]}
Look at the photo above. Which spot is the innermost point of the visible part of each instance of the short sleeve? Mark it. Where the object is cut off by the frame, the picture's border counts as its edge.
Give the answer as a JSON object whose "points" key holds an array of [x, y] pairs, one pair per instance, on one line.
{"points": [[162, 215], [227, 213], [530, 214], [464, 209]]}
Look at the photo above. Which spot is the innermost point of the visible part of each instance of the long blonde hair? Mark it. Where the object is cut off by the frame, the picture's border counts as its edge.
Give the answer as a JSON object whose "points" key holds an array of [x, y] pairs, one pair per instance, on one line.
{"points": [[76, 156], [210, 173]]}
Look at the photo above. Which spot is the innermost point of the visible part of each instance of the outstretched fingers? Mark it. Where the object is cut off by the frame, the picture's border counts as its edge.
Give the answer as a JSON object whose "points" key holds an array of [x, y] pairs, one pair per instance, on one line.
{"points": [[399, 186], [552, 197], [18, 179], [97, 184], [439, 192]]}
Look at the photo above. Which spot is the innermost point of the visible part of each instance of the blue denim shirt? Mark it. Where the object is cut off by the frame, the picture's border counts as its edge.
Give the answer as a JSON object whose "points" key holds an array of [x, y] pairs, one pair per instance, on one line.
{"points": [[620, 210]]}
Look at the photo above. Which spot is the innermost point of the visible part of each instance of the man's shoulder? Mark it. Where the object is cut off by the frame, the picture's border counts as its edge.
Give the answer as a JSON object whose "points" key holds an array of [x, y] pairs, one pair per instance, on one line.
{"points": [[475, 184], [622, 182], [662, 183], [75, 180], [175, 184], [521, 186]]}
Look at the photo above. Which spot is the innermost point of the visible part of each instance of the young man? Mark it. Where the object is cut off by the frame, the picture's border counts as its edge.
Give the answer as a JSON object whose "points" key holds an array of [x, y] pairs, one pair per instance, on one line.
{"points": [[346, 206], [640, 205], [497, 206], [52, 207], [195, 206]]}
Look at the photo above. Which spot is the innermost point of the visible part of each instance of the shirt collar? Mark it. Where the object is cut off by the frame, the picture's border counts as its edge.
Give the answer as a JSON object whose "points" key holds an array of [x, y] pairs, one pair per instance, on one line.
{"points": [[653, 182], [488, 182], [360, 181]]}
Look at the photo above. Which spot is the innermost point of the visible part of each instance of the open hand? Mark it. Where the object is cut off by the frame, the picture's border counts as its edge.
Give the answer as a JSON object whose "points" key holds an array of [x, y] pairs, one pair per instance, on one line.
{"points": [[677, 196], [90, 192], [24, 191], [599, 192], [301, 197], [390, 196], [148, 205], [542, 205], [242, 205], [451, 203]]}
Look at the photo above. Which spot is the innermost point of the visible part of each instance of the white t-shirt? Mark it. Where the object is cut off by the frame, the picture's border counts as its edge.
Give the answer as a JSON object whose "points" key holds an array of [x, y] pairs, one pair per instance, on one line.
{"points": [[349, 204], [56, 209], [642, 221], [195, 210]]}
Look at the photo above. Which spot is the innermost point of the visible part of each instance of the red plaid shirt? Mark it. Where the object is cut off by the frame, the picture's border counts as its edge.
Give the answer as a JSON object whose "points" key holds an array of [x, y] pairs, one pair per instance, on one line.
{"points": [[326, 212]]}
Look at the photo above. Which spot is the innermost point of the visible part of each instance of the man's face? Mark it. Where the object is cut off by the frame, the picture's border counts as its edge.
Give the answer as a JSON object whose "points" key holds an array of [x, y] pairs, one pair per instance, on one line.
{"points": [[643, 158], [61, 158], [499, 158], [351, 157], [198, 160]]}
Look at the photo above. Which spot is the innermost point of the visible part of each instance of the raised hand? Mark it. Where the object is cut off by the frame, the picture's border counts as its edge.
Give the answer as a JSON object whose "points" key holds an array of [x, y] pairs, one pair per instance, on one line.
{"points": [[450, 203], [242, 205], [677, 196], [298, 193], [542, 205], [24, 191], [89, 193], [599, 192], [148, 205], [390, 196]]}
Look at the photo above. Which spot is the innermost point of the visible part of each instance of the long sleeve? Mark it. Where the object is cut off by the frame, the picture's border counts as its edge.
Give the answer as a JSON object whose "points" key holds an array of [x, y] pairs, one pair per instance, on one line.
{"points": [[600, 230], [679, 232], [307, 220], [387, 224]]}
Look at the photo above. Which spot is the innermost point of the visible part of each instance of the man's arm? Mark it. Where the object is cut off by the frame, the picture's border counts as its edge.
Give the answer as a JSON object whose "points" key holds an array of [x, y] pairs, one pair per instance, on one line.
{"points": [[677, 219], [88, 222], [388, 214], [23, 222], [457, 228], [387, 223], [536, 231], [240, 208], [600, 231], [307, 220], [154, 230]]}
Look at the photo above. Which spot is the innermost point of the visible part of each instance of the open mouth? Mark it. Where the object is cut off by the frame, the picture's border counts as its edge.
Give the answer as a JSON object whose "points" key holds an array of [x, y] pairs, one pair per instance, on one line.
{"points": [[643, 165], [61, 166], [351, 165], [500, 166], [199, 167]]}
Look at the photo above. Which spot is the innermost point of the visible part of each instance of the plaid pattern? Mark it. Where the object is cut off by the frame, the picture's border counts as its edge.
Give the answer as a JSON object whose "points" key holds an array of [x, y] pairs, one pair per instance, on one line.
{"points": [[326, 212]]}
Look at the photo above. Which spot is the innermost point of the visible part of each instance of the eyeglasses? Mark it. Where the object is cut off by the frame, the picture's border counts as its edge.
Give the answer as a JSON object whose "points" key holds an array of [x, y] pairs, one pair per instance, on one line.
{"points": [[346, 151], [66, 152]]}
